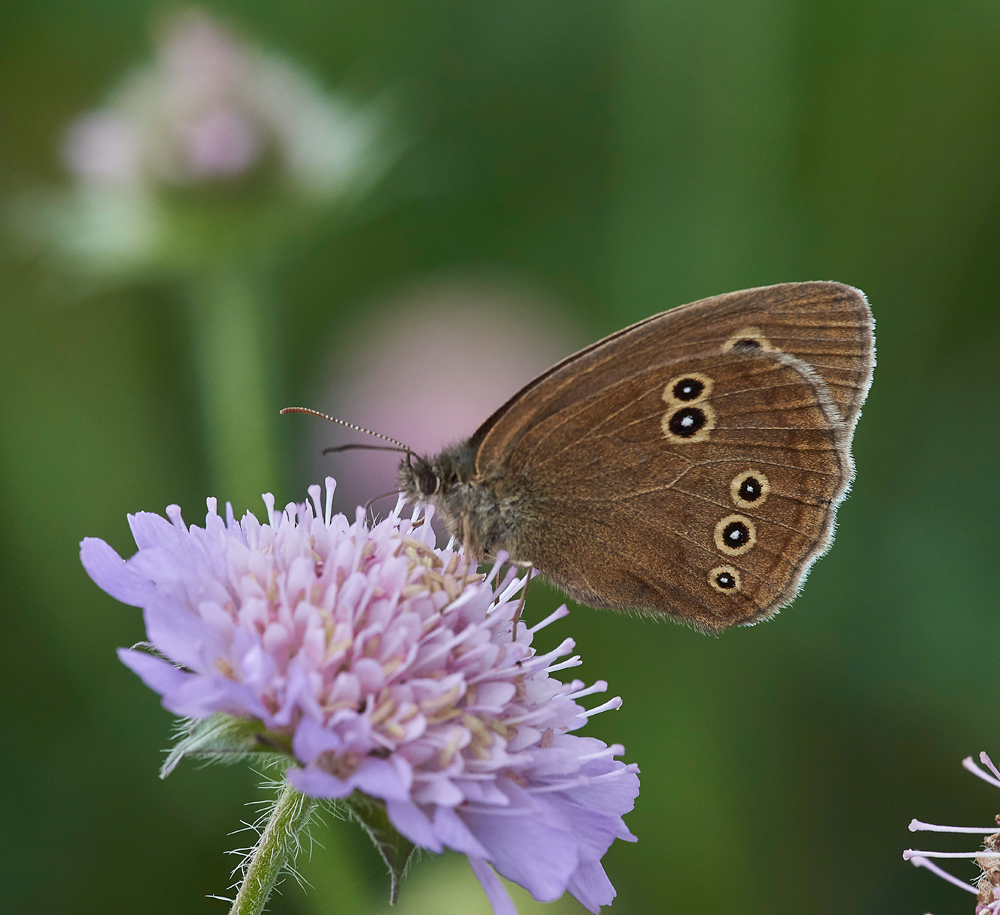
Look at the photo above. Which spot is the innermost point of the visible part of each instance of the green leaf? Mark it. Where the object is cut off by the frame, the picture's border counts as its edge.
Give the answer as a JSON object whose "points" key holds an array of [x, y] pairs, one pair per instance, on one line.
{"points": [[396, 850], [226, 739]]}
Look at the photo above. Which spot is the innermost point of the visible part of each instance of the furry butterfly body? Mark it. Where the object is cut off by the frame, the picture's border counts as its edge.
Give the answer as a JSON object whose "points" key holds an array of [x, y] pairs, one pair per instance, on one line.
{"points": [[690, 465]]}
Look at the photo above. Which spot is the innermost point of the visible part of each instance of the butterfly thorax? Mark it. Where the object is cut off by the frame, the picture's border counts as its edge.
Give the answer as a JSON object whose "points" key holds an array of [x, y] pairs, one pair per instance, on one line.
{"points": [[468, 505]]}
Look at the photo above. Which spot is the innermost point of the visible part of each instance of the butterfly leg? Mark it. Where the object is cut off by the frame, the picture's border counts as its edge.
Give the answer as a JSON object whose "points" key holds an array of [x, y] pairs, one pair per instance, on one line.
{"points": [[467, 549]]}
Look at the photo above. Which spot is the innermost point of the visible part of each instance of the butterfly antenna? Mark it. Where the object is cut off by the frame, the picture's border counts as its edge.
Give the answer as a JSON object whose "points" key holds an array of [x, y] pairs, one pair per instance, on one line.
{"points": [[341, 422], [364, 446]]}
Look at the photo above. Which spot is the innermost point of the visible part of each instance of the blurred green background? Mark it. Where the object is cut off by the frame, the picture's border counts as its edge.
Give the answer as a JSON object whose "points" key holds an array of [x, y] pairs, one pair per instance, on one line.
{"points": [[618, 159]]}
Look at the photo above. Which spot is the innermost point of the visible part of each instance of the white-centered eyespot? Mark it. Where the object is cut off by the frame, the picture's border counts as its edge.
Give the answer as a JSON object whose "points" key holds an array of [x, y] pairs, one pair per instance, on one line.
{"points": [[749, 489], [688, 423], [735, 535], [725, 579], [691, 387]]}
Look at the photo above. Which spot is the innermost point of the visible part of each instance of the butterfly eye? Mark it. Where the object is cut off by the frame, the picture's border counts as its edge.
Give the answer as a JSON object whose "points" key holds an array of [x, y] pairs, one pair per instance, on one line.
{"points": [[724, 579], [429, 482]]}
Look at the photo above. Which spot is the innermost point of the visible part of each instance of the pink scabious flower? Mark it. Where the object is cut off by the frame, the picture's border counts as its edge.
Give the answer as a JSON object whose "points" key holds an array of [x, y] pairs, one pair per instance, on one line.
{"points": [[987, 886], [389, 668], [212, 107]]}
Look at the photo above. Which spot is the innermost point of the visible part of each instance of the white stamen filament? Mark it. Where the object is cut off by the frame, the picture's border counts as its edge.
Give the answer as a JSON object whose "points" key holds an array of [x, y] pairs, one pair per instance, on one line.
{"points": [[574, 661], [915, 853], [601, 686], [975, 770], [919, 826], [496, 811], [986, 761], [616, 749], [314, 495], [551, 618], [495, 570], [615, 703], [511, 589], [943, 874], [331, 487], [529, 664], [583, 781], [272, 519]]}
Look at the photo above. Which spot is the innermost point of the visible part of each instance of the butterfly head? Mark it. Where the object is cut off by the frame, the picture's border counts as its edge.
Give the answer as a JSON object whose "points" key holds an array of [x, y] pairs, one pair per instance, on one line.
{"points": [[433, 479], [446, 481]]}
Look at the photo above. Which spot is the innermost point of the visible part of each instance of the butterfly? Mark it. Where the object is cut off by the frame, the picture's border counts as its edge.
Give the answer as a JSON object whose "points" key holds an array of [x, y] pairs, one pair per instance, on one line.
{"points": [[689, 466]]}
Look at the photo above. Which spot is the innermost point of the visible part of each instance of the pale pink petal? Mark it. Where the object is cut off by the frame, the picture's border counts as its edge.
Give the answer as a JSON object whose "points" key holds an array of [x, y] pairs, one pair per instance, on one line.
{"points": [[413, 824], [318, 783], [157, 674], [495, 891], [111, 573], [450, 829], [379, 778], [311, 739], [538, 853], [590, 885]]}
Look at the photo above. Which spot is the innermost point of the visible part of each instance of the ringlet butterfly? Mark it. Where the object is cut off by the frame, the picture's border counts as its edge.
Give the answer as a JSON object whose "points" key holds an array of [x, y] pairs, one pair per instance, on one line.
{"points": [[690, 465]]}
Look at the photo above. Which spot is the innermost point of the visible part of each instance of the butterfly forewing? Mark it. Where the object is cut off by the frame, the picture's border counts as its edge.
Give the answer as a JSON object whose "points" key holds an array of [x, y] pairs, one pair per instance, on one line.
{"points": [[827, 325]]}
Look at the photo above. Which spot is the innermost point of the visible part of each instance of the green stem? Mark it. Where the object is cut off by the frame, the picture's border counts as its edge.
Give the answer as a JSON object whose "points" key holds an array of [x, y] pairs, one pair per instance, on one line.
{"points": [[275, 850], [232, 315]]}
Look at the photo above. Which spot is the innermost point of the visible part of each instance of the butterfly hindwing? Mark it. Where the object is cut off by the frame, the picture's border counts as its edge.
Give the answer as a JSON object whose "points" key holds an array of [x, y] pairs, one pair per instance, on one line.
{"points": [[702, 488]]}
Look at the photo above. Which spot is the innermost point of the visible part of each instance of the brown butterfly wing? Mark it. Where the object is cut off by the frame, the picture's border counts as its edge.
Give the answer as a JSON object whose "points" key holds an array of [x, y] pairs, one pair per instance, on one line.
{"points": [[827, 325], [622, 512]]}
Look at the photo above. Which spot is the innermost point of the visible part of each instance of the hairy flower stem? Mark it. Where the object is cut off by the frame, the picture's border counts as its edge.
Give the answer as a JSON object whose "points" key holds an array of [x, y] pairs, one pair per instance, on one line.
{"points": [[276, 849], [231, 323]]}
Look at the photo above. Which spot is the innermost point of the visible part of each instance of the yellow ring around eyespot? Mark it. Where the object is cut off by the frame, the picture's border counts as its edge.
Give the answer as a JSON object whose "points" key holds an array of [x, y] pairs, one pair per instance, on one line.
{"points": [[725, 570], [701, 435], [740, 479], [721, 543], [751, 334], [668, 391]]}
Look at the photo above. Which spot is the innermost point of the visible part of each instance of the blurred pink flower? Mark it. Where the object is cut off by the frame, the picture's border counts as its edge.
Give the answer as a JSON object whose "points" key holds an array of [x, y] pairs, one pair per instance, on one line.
{"points": [[477, 343], [102, 148], [393, 670], [210, 106]]}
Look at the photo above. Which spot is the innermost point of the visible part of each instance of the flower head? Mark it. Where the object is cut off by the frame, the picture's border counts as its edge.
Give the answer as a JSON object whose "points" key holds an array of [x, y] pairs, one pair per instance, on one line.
{"points": [[388, 667], [987, 887], [214, 147], [212, 107]]}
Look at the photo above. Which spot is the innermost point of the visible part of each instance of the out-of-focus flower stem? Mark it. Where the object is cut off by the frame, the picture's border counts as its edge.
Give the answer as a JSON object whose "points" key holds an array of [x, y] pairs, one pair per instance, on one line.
{"points": [[232, 317], [276, 848]]}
